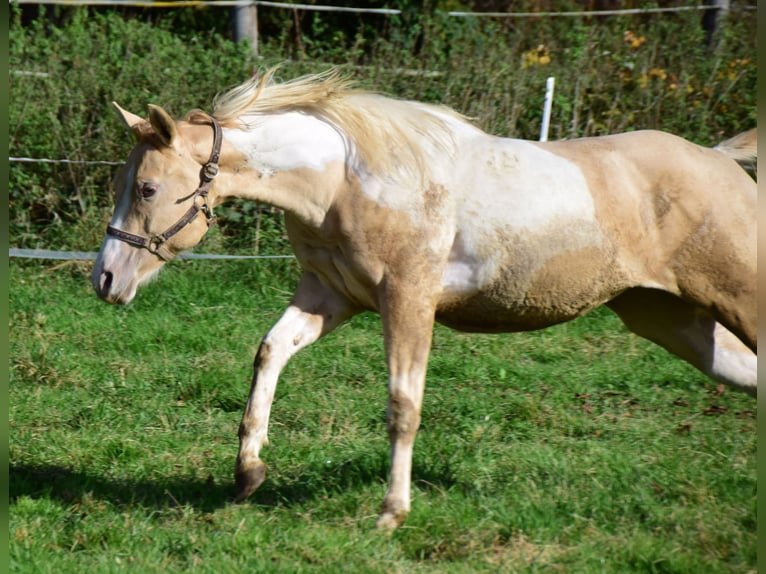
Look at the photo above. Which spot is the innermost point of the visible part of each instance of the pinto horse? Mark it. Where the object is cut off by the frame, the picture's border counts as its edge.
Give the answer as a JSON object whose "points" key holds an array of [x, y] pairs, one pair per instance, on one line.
{"points": [[408, 210]]}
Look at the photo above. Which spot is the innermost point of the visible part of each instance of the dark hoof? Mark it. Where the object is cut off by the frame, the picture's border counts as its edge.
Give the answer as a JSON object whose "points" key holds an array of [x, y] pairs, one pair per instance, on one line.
{"points": [[248, 480]]}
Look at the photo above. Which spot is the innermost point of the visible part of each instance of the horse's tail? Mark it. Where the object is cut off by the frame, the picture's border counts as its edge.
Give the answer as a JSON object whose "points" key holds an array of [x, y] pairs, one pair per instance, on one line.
{"points": [[742, 147]]}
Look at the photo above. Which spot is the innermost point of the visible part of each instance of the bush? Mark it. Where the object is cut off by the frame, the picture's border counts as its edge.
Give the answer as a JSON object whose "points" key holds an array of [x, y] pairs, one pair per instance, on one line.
{"points": [[613, 74], [66, 113]]}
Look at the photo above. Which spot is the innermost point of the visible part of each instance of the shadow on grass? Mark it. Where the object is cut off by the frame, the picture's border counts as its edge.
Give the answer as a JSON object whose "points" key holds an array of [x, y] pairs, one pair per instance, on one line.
{"points": [[69, 486]]}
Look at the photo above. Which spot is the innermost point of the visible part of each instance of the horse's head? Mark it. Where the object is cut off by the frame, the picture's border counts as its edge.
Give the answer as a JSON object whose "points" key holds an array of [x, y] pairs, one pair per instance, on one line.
{"points": [[162, 200]]}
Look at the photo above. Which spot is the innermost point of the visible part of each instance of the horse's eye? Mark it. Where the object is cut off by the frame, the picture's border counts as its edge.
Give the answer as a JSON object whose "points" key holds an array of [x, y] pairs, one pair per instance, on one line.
{"points": [[146, 191]]}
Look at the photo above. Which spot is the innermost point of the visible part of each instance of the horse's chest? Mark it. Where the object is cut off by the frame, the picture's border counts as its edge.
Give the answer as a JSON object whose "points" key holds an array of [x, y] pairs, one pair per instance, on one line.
{"points": [[337, 262]]}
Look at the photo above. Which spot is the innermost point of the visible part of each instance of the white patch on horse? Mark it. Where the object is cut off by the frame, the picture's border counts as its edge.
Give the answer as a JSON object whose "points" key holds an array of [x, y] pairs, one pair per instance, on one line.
{"points": [[287, 141], [546, 211], [124, 199], [112, 248], [732, 362]]}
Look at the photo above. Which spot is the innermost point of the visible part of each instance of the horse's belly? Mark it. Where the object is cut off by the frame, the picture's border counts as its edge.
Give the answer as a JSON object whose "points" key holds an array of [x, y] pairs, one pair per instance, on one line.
{"points": [[529, 284]]}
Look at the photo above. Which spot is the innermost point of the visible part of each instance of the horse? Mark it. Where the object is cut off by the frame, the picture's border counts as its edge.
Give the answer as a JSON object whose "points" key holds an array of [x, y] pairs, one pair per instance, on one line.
{"points": [[409, 210]]}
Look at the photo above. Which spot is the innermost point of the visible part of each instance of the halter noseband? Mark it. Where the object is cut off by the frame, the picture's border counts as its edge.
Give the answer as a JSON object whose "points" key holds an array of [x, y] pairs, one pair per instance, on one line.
{"points": [[156, 243]]}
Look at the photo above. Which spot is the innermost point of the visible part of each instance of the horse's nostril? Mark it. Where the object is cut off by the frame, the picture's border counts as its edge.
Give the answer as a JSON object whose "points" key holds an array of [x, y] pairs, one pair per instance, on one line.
{"points": [[105, 282]]}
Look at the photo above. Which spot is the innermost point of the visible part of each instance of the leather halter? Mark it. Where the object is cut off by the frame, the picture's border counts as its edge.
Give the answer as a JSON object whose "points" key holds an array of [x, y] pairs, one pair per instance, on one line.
{"points": [[156, 243]]}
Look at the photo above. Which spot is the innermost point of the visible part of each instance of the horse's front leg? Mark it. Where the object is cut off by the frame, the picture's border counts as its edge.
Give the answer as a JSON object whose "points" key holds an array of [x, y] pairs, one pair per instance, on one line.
{"points": [[314, 311], [408, 326]]}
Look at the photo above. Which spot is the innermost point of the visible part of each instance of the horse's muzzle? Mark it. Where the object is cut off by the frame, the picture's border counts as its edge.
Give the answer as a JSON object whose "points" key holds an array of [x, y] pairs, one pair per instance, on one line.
{"points": [[103, 283]]}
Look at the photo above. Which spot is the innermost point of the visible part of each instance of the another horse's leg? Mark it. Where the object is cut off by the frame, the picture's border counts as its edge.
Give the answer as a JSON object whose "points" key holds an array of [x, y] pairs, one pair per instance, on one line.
{"points": [[314, 311], [408, 320], [690, 333]]}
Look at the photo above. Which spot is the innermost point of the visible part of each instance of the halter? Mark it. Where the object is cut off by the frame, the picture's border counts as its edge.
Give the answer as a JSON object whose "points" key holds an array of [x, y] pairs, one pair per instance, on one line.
{"points": [[156, 243]]}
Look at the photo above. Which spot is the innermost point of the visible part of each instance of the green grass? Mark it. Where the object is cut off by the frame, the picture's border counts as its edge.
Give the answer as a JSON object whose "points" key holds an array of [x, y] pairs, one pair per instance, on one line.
{"points": [[580, 448]]}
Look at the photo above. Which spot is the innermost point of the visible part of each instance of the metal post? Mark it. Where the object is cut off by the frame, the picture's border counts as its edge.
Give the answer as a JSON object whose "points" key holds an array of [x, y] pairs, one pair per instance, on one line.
{"points": [[246, 25]]}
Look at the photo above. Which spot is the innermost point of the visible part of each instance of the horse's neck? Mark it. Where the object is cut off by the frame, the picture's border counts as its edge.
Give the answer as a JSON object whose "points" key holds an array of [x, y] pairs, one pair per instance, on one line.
{"points": [[292, 161]]}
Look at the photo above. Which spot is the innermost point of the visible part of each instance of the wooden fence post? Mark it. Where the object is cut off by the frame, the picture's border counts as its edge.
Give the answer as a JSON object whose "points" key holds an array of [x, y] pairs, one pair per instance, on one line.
{"points": [[712, 18]]}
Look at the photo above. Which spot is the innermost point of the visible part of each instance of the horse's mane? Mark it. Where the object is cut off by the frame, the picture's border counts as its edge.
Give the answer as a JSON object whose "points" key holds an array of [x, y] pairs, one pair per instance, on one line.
{"points": [[391, 136]]}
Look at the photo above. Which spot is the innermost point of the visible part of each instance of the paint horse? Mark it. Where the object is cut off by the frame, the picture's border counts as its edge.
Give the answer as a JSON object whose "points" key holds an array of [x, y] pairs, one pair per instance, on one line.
{"points": [[408, 210]]}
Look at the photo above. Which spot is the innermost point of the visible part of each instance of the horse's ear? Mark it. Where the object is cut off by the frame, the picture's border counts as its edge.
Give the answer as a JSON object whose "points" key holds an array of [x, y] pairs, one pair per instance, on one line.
{"points": [[163, 125], [131, 121]]}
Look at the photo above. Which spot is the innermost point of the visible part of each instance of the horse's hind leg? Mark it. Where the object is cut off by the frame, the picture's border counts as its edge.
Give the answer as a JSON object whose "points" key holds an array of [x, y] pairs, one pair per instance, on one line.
{"points": [[690, 333]]}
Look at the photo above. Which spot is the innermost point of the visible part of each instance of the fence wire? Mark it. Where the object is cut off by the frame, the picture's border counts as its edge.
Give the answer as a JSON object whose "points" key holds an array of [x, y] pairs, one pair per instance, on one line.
{"points": [[361, 10], [91, 255]]}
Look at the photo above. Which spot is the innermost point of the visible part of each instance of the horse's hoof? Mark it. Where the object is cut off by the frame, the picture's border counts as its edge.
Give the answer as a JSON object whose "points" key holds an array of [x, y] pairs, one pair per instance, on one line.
{"points": [[389, 521], [248, 479]]}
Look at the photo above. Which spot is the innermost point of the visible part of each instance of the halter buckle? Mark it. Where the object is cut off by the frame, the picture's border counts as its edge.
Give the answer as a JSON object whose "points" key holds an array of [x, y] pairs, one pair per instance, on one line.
{"points": [[154, 243], [209, 215], [210, 171], [201, 204]]}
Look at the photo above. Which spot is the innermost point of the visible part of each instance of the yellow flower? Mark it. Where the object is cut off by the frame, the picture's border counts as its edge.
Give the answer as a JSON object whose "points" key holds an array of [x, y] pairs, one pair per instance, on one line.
{"points": [[632, 39], [539, 56]]}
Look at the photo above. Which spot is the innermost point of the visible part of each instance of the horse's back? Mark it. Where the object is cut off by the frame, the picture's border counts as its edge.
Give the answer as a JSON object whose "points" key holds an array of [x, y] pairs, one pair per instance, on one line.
{"points": [[656, 191], [663, 162]]}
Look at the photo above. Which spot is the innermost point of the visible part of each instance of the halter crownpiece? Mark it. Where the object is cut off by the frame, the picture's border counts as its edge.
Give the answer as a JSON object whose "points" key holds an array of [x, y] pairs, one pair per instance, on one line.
{"points": [[156, 243]]}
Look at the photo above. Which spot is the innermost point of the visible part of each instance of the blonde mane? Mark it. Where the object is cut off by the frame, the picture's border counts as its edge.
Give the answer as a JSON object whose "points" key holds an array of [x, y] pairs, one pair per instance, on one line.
{"points": [[392, 137]]}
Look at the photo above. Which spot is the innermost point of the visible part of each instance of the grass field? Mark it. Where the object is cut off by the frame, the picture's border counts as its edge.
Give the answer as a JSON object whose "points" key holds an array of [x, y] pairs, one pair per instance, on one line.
{"points": [[580, 448]]}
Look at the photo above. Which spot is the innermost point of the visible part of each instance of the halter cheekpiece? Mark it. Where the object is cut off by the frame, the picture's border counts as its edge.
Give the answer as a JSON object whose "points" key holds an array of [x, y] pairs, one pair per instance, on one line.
{"points": [[156, 243]]}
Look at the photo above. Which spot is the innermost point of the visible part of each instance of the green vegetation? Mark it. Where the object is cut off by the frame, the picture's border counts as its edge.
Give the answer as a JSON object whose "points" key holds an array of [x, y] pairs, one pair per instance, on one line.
{"points": [[579, 448], [612, 75], [574, 449]]}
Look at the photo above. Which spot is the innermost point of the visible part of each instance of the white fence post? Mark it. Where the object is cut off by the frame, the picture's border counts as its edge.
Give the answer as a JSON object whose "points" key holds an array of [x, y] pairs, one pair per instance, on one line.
{"points": [[547, 108]]}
